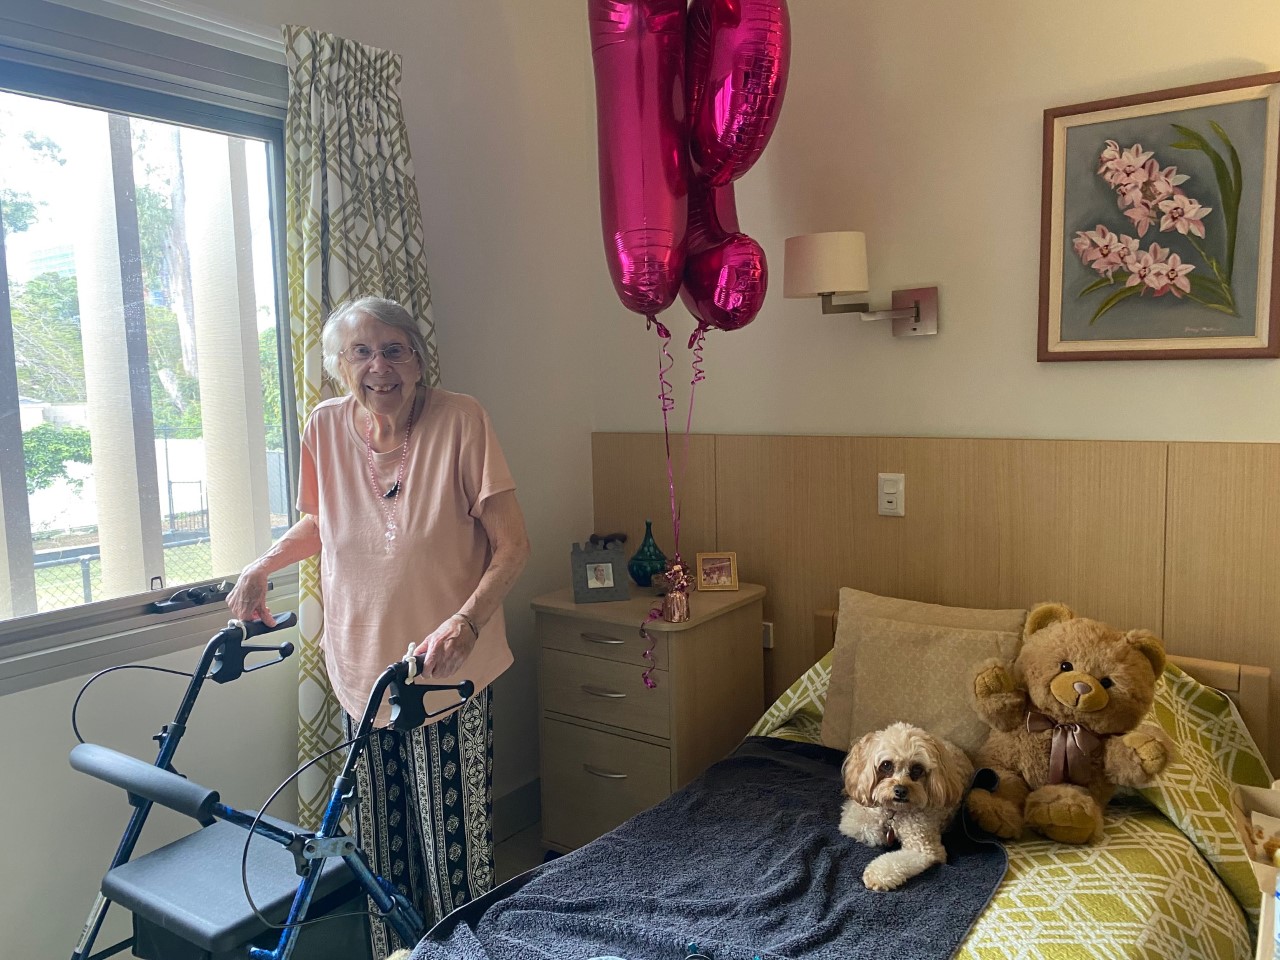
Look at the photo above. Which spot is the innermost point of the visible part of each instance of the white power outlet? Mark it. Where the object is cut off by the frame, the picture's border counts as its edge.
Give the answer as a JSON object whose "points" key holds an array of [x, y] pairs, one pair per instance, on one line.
{"points": [[766, 634], [892, 495]]}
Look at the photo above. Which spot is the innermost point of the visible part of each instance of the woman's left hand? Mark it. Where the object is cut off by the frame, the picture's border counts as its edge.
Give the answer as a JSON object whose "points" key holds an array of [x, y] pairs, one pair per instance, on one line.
{"points": [[446, 648]]}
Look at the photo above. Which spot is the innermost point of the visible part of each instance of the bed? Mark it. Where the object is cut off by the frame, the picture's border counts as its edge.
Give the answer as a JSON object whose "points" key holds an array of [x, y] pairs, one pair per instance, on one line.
{"points": [[744, 862]]}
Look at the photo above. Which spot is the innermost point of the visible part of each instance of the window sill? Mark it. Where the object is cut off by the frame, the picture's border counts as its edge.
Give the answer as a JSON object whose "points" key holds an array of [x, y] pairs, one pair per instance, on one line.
{"points": [[81, 643]]}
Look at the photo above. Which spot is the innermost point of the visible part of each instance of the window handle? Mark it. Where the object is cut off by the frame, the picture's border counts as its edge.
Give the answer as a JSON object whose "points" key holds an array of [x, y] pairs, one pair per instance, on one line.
{"points": [[195, 596]]}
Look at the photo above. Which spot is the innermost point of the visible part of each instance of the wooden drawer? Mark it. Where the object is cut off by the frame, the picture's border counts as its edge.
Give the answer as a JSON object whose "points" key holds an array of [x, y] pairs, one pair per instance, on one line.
{"points": [[606, 692], [592, 781], [608, 641]]}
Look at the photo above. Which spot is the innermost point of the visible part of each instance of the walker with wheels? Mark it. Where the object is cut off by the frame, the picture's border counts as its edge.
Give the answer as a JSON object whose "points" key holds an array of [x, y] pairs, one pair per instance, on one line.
{"points": [[213, 896]]}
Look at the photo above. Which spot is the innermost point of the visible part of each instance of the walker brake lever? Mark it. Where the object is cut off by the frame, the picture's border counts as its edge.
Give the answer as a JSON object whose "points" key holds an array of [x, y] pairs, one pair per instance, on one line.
{"points": [[408, 709], [228, 662]]}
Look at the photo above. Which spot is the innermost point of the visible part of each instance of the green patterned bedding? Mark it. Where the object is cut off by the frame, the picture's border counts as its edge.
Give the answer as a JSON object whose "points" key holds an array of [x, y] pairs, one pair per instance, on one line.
{"points": [[1170, 878]]}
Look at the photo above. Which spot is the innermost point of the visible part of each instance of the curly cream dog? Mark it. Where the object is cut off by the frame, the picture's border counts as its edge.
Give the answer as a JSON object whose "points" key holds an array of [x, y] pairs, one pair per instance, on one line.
{"points": [[903, 785]]}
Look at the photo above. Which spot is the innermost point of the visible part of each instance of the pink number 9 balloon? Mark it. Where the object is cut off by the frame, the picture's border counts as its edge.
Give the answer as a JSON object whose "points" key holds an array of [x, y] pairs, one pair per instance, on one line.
{"points": [[726, 275], [638, 49], [738, 55]]}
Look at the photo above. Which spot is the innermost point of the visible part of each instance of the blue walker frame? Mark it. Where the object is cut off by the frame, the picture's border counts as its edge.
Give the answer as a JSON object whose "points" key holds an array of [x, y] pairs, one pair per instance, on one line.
{"points": [[223, 661]]}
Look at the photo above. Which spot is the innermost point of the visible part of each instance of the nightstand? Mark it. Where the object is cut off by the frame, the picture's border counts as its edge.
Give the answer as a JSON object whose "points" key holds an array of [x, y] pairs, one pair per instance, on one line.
{"points": [[611, 746]]}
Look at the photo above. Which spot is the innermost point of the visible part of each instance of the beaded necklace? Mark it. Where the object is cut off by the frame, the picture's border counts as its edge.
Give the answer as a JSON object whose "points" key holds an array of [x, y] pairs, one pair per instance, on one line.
{"points": [[388, 511]]}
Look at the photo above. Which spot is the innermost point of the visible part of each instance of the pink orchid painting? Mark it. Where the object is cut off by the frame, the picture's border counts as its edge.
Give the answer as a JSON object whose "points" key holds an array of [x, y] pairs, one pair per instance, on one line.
{"points": [[1160, 224], [1155, 199]]}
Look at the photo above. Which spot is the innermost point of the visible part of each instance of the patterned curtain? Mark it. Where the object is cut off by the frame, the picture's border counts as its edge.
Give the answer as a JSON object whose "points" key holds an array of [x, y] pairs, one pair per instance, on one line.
{"points": [[354, 228]]}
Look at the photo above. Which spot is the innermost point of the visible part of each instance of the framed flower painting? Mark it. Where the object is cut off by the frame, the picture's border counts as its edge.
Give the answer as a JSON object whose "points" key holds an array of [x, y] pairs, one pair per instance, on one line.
{"points": [[1158, 225]]}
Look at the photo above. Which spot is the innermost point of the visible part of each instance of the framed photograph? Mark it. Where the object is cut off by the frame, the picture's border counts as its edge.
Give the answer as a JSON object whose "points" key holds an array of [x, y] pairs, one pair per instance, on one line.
{"points": [[599, 573], [1158, 225], [717, 571]]}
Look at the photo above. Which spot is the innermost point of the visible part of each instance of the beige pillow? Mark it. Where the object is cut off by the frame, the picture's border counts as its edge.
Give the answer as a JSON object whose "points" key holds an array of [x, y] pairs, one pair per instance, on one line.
{"points": [[865, 604], [903, 660]]}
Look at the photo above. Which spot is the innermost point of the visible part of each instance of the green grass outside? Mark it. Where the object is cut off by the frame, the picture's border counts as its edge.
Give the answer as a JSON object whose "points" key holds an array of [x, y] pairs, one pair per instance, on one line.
{"points": [[63, 586]]}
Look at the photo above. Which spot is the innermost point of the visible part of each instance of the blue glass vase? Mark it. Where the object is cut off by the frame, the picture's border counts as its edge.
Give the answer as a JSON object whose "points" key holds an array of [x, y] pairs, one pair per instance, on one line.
{"points": [[647, 560]]}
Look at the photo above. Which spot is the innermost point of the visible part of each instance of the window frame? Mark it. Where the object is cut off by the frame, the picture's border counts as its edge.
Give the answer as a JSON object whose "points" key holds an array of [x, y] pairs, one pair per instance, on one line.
{"points": [[46, 647]]}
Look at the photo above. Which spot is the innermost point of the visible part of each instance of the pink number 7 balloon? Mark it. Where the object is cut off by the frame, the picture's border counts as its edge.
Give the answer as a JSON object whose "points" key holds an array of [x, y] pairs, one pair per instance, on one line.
{"points": [[638, 52]]}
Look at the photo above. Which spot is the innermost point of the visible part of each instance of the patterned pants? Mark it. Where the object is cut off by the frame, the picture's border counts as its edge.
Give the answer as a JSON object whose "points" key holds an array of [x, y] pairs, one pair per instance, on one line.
{"points": [[425, 813]]}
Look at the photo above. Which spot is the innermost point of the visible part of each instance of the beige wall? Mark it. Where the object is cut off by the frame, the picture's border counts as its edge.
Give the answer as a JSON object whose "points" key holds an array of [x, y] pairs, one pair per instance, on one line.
{"points": [[916, 122]]}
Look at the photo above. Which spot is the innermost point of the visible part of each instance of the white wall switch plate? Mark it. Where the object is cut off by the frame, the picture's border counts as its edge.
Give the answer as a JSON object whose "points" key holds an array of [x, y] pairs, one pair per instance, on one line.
{"points": [[766, 633], [891, 499]]}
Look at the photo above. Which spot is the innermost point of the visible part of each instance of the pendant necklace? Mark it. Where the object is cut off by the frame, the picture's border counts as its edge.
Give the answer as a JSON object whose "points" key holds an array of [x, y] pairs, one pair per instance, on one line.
{"points": [[388, 510]]}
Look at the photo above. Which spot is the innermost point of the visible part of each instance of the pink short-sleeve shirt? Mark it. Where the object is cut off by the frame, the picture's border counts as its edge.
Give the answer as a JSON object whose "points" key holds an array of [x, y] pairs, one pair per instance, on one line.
{"points": [[377, 602]]}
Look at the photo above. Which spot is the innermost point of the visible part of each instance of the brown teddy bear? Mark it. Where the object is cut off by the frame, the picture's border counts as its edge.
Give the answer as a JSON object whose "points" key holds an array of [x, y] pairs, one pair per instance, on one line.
{"points": [[1065, 731]]}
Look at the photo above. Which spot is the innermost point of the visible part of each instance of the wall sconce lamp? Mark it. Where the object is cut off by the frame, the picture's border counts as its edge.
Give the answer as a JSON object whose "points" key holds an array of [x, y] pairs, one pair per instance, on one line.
{"points": [[827, 265]]}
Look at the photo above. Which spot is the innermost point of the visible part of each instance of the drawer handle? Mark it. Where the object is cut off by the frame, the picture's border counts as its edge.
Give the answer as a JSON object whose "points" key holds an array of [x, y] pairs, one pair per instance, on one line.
{"points": [[607, 775], [601, 638], [602, 692]]}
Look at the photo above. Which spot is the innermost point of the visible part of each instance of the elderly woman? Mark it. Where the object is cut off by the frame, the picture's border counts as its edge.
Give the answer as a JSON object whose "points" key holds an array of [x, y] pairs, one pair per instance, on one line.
{"points": [[407, 498]]}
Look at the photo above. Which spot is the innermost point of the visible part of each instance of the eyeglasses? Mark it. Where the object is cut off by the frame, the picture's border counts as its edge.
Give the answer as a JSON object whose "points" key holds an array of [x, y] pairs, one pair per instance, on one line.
{"points": [[395, 353]]}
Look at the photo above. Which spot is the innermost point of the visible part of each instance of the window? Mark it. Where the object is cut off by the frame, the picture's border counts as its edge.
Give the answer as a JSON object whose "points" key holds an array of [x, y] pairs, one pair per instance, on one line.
{"points": [[144, 402]]}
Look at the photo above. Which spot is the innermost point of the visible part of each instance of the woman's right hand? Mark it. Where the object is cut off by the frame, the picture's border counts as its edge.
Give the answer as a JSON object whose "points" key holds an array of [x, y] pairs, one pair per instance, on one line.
{"points": [[248, 598]]}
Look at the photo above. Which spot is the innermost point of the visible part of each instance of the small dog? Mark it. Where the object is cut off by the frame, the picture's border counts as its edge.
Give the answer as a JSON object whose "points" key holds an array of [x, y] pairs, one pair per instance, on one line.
{"points": [[904, 785]]}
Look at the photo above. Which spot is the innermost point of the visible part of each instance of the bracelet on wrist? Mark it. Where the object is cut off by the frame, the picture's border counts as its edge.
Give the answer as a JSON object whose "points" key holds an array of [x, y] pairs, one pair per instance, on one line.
{"points": [[469, 622]]}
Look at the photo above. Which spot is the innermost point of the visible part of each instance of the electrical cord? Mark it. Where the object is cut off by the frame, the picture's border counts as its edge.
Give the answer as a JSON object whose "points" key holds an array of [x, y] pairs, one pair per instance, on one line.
{"points": [[244, 854], [102, 673]]}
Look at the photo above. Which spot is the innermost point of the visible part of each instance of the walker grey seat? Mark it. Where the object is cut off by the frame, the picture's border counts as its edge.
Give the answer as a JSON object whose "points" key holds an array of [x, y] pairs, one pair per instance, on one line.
{"points": [[188, 902]]}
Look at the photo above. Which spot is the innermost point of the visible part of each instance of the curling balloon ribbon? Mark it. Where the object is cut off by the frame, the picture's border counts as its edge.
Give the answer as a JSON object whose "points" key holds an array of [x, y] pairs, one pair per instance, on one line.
{"points": [[665, 363], [647, 676], [696, 341]]}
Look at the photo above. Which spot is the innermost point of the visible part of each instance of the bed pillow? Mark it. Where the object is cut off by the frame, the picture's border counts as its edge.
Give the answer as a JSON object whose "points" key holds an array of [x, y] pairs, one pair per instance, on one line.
{"points": [[865, 604], [1194, 791], [915, 672], [903, 660]]}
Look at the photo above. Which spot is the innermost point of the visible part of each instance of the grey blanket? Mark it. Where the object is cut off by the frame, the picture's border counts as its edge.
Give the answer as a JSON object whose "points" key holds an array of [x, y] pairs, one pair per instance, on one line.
{"points": [[744, 862]]}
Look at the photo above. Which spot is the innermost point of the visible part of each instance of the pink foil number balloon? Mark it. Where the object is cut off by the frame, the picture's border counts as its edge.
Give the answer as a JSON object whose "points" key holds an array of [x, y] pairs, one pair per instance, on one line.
{"points": [[738, 55], [726, 275], [638, 50]]}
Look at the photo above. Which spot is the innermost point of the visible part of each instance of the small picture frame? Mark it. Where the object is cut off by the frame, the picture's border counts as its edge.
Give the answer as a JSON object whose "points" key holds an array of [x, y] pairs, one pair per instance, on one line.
{"points": [[599, 573], [717, 571]]}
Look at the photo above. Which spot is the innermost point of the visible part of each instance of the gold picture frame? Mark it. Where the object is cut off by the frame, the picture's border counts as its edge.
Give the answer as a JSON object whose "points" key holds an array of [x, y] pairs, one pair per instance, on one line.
{"points": [[717, 571]]}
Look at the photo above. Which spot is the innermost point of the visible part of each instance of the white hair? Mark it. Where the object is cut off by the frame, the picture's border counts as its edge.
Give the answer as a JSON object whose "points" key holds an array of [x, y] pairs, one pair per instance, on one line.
{"points": [[384, 311]]}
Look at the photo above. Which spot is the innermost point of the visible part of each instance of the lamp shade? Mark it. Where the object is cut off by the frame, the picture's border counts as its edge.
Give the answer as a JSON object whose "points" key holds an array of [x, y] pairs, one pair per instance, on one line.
{"points": [[818, 263]]}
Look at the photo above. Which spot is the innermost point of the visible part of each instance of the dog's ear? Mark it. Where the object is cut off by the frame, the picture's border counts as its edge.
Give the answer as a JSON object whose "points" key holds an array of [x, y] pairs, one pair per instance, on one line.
{"points": [[859, 771], [946, 781]]}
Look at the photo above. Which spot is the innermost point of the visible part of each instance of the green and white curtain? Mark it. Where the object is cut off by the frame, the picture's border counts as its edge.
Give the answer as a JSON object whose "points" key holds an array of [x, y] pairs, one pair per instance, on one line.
{"points": [[354, 229]]}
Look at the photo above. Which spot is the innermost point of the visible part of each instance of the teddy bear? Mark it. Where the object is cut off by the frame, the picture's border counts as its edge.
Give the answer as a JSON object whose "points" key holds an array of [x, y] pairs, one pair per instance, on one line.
{"points": [[1065, 726]]}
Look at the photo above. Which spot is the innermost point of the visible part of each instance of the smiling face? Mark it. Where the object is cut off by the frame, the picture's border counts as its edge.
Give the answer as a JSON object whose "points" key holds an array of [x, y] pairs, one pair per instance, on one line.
{"points": [[383, 388]]}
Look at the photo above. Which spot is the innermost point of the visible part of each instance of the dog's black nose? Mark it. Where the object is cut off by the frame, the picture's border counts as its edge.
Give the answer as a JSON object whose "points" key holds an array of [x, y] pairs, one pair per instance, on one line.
{"points": [[899, 793]]}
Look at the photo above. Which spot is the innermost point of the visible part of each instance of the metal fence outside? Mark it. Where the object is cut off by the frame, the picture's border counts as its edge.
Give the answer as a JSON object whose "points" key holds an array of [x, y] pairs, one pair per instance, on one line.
{"points": [[73, 578]]}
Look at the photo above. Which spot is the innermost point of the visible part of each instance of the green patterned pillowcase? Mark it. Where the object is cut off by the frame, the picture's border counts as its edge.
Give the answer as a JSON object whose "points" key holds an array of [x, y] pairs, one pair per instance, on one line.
{"points": [[1194, 792], [797, 714]]}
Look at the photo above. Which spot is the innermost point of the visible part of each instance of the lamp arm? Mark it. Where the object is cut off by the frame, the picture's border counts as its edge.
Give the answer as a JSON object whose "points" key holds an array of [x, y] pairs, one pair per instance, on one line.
{"points": [[828, 306]]}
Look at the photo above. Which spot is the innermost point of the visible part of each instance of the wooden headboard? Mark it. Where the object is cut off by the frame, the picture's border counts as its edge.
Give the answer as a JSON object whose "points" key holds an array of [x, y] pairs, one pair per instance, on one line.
{"points": [[1248, 686], [1180, 538]]}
